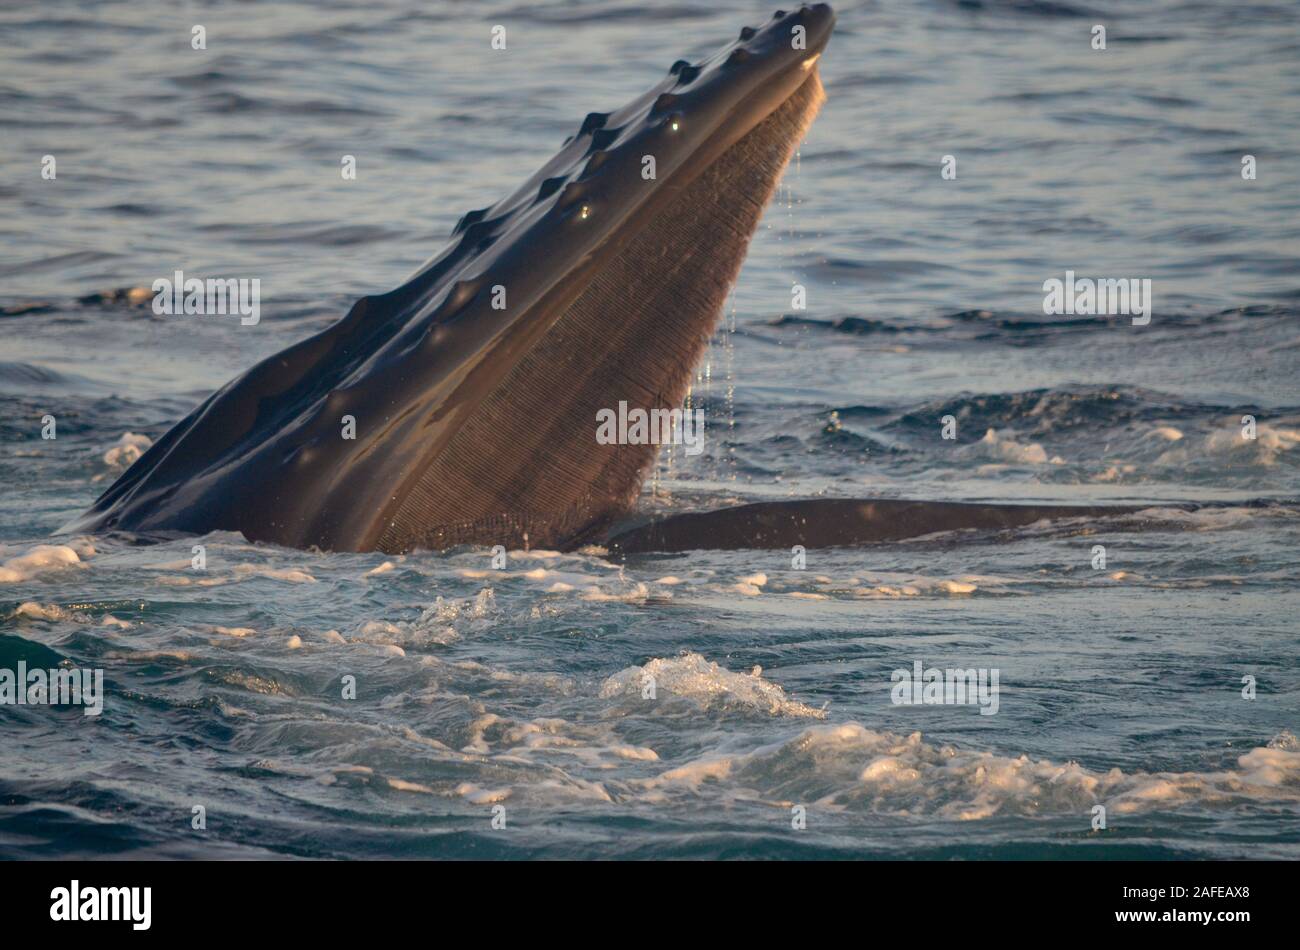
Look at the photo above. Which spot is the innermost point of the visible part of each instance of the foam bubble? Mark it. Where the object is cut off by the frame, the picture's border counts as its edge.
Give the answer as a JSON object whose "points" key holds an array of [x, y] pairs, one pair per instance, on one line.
{"points": [[126, 450], [1005, 449], [692, 676], [852, 768], [237, 632], [34, 611], [38, 560]]}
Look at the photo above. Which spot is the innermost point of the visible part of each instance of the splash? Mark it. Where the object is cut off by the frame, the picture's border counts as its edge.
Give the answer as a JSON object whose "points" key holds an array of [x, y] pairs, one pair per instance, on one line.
{"points": [[692, 677]]}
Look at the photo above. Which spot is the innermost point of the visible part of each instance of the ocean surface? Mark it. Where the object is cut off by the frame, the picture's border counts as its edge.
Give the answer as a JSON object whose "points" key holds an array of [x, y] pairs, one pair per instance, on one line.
{"points": [[502, 713]]}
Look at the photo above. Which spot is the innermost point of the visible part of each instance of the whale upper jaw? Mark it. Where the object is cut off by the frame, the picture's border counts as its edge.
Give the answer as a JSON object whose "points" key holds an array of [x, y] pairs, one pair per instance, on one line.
{"points": [[472, 389]]}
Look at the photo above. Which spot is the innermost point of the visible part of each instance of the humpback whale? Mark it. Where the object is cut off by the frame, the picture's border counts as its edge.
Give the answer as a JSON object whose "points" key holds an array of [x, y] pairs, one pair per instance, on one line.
{"points": [[471, 390]]}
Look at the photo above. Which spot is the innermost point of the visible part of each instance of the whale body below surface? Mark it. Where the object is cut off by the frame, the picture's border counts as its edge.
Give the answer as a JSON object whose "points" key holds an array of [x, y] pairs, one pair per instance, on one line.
{"points": [[832, 522], [472, 389]]}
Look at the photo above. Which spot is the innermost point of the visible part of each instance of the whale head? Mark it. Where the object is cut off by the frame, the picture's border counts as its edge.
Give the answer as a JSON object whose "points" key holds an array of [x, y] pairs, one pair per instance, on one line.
{"points": [[462, 406]]}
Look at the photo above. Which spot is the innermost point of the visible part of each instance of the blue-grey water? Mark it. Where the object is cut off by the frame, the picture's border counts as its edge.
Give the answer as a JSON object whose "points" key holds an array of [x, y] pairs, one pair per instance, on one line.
{"points": [[517, 694]]}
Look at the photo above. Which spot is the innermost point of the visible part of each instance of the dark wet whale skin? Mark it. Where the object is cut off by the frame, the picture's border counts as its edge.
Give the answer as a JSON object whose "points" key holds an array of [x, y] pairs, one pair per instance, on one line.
{"points": [[837, 522], [265, 455]]}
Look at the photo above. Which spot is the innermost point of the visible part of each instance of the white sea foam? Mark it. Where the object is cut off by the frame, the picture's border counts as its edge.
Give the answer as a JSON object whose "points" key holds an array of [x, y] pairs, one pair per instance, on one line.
{"points": [[240, 572], [41, 559], [1227, 443], [34, 611], [238, 633], [1005, 449], [693, 677], [850, 767], [637, 593], [585, 577], [553, 744], [481, 796], [126, 450], [889, 585], [290, 574], [1214, 519], [591, 744], [424, 631], [441, 623], [402, 785]]}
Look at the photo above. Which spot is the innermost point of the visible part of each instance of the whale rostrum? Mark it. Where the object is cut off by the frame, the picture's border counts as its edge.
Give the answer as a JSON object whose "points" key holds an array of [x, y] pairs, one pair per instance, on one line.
{"points": [[460, 407], [473, 387]]}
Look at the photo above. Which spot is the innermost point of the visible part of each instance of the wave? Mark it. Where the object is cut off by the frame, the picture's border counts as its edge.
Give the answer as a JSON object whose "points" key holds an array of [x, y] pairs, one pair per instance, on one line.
{"points": [[1024, 328], [852, 768], [692, 677], [42, 559]]}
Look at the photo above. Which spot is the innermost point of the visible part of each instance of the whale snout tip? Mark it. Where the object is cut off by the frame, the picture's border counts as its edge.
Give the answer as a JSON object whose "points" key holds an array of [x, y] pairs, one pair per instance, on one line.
{"points": [[817, 18], [821, 15]]}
